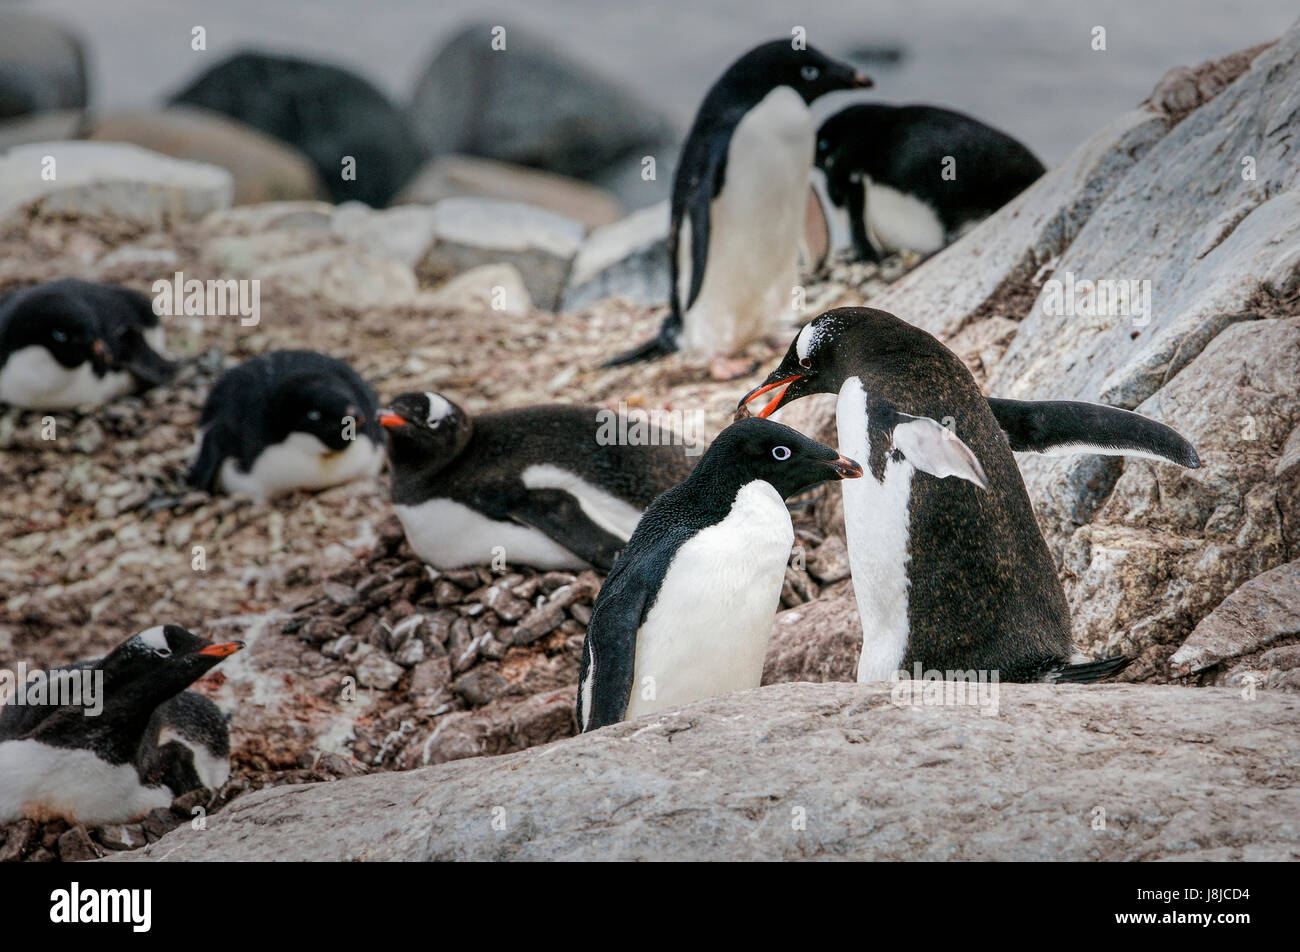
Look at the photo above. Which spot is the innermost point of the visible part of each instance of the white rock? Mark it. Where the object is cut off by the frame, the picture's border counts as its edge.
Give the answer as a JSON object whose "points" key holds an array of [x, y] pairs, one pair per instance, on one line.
{"points": [[626, 259], [403, 233], [490, 286]]}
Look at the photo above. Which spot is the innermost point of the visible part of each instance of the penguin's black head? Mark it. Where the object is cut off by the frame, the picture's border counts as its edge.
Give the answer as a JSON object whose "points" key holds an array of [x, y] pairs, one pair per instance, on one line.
{"points": [[159, 663], [324, 407], [841, 137], [807, 71], [52, 316], [846, 342], [764, 449], [426, 428]]}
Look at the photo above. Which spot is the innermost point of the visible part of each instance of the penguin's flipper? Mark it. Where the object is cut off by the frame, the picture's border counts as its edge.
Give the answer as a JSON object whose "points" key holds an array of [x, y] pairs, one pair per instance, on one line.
{"points": [[1087, 672], [856, 193], [149, 367], [1067, 427], [608, 672], [559, 515], [205, 470]]}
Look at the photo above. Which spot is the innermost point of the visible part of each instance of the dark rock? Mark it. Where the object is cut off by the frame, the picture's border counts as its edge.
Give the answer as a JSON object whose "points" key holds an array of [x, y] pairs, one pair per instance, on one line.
{"points": [[536, 624], [19, 839], [118, 836], [76, 846], [430, 675], [325, 112], [479, 686], [530, 105], [42, 67], [1264, 610], [159, 822]]}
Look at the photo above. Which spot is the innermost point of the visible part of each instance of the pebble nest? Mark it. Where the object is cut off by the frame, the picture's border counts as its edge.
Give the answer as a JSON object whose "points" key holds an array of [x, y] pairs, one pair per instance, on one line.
{"points": [[98, 533]]}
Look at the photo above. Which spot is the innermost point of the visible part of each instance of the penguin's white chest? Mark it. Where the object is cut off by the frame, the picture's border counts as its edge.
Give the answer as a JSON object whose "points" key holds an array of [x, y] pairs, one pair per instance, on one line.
{"points": [[40, 781], [708, 630], [301, 461], [897, 220], [876, 520], [31, 378], [756, 224], [212, 771]]}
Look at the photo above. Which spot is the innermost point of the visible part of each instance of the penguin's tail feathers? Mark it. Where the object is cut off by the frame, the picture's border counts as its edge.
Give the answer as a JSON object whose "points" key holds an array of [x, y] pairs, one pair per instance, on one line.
{"points": [[1088, 672], [661, 345]]}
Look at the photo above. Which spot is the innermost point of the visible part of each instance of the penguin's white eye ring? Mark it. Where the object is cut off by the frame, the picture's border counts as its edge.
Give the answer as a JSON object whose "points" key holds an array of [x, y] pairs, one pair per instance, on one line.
{"points": [[809, 73], [805, 361], [781, 453], [313, 415], [163, 652]]}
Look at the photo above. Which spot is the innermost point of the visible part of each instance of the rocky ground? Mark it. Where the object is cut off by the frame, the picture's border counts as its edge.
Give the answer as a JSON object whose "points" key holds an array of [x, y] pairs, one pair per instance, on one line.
{"points": [[362, 661]]}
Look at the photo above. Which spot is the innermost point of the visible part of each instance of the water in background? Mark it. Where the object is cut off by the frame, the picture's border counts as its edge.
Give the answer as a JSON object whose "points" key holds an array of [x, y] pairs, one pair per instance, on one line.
{"points": [[1025, 66]]}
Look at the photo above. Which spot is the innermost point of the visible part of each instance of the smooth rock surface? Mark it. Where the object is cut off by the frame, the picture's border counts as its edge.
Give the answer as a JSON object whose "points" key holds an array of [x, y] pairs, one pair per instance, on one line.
{"points": [[804, 771], [469, 232], [1264, 610], [109, 180]]}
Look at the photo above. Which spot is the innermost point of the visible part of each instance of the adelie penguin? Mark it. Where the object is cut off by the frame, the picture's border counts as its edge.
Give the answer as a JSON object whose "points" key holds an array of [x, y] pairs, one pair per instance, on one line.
{"points": [[116, 765], [916, 177], [289, 419], [687, 610], [949, 572], [738, 201], [548, 486], [69, 344]]}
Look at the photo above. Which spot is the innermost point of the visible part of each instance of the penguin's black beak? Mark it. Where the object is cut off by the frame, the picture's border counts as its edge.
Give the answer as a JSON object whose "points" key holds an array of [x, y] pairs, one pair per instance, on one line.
{"points": [[389, 419], [845, 467], [774, 404]]}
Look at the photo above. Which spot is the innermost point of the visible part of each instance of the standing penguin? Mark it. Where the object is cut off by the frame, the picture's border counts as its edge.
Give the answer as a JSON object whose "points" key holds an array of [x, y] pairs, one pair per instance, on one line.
{"points": [[915, 177], [551, 486], [58, 761], [738, 201], [687, 610], [951, 573], [68, 343], [290, 419]]}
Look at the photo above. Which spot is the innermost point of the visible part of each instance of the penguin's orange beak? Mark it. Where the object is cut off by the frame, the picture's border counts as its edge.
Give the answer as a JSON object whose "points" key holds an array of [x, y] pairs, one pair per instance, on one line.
{"points": [[223, 650], [390, 419], [775, 402], [862, 81]]}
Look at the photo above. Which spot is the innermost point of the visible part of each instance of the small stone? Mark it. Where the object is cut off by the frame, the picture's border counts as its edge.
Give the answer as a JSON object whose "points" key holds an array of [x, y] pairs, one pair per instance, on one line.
{"points": [[339, 594], [158, 823], [411, 653], [340, 647], [829, 562], [376, 671], [537, 624], [553, 580], [479, 686], [337, 765], [183, 806], [446, 593], [121, 836], [21, 838], [433, 674], [581, 613]]}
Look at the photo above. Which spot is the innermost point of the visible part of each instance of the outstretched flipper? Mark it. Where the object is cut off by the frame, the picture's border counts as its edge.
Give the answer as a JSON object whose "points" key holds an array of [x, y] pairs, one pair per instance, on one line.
{"points": [[1087, 672], [560, 516], [1067, 427]]}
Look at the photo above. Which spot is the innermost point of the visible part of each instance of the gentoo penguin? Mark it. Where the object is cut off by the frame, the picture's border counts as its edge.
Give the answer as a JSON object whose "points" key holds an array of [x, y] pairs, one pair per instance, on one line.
{"points": [[289, 419], [916, 177], [67, 344], [186, 745], [687, 610], [738, 202], [951, 573], [57, 761], [547, 486]]}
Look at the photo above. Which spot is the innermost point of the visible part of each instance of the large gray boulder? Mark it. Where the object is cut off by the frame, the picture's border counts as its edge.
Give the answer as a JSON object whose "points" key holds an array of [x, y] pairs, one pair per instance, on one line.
{"points": [[802, 771], [42, 67]]}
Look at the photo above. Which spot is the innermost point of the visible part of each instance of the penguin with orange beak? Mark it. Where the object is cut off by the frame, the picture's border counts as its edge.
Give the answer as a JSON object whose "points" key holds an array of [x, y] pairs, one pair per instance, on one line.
{"points": [[949, 566]]}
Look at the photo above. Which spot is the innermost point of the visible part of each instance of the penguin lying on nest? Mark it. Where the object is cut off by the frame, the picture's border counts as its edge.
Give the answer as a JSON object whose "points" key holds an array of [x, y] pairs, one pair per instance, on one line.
{"points": [[147, 745], [540, 486], [916, 177], [738, 202], [286, 420], [951, 573], [688, 608], [67, 344]]}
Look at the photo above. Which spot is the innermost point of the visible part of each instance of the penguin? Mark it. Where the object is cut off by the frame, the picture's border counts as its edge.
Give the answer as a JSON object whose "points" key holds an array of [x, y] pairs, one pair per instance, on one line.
{"points": [[70, 344], [186, 745], [949, 572], [916, 177], [554, 487], [687, 610], [738, 202], [285, 420], [70, 762]]}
